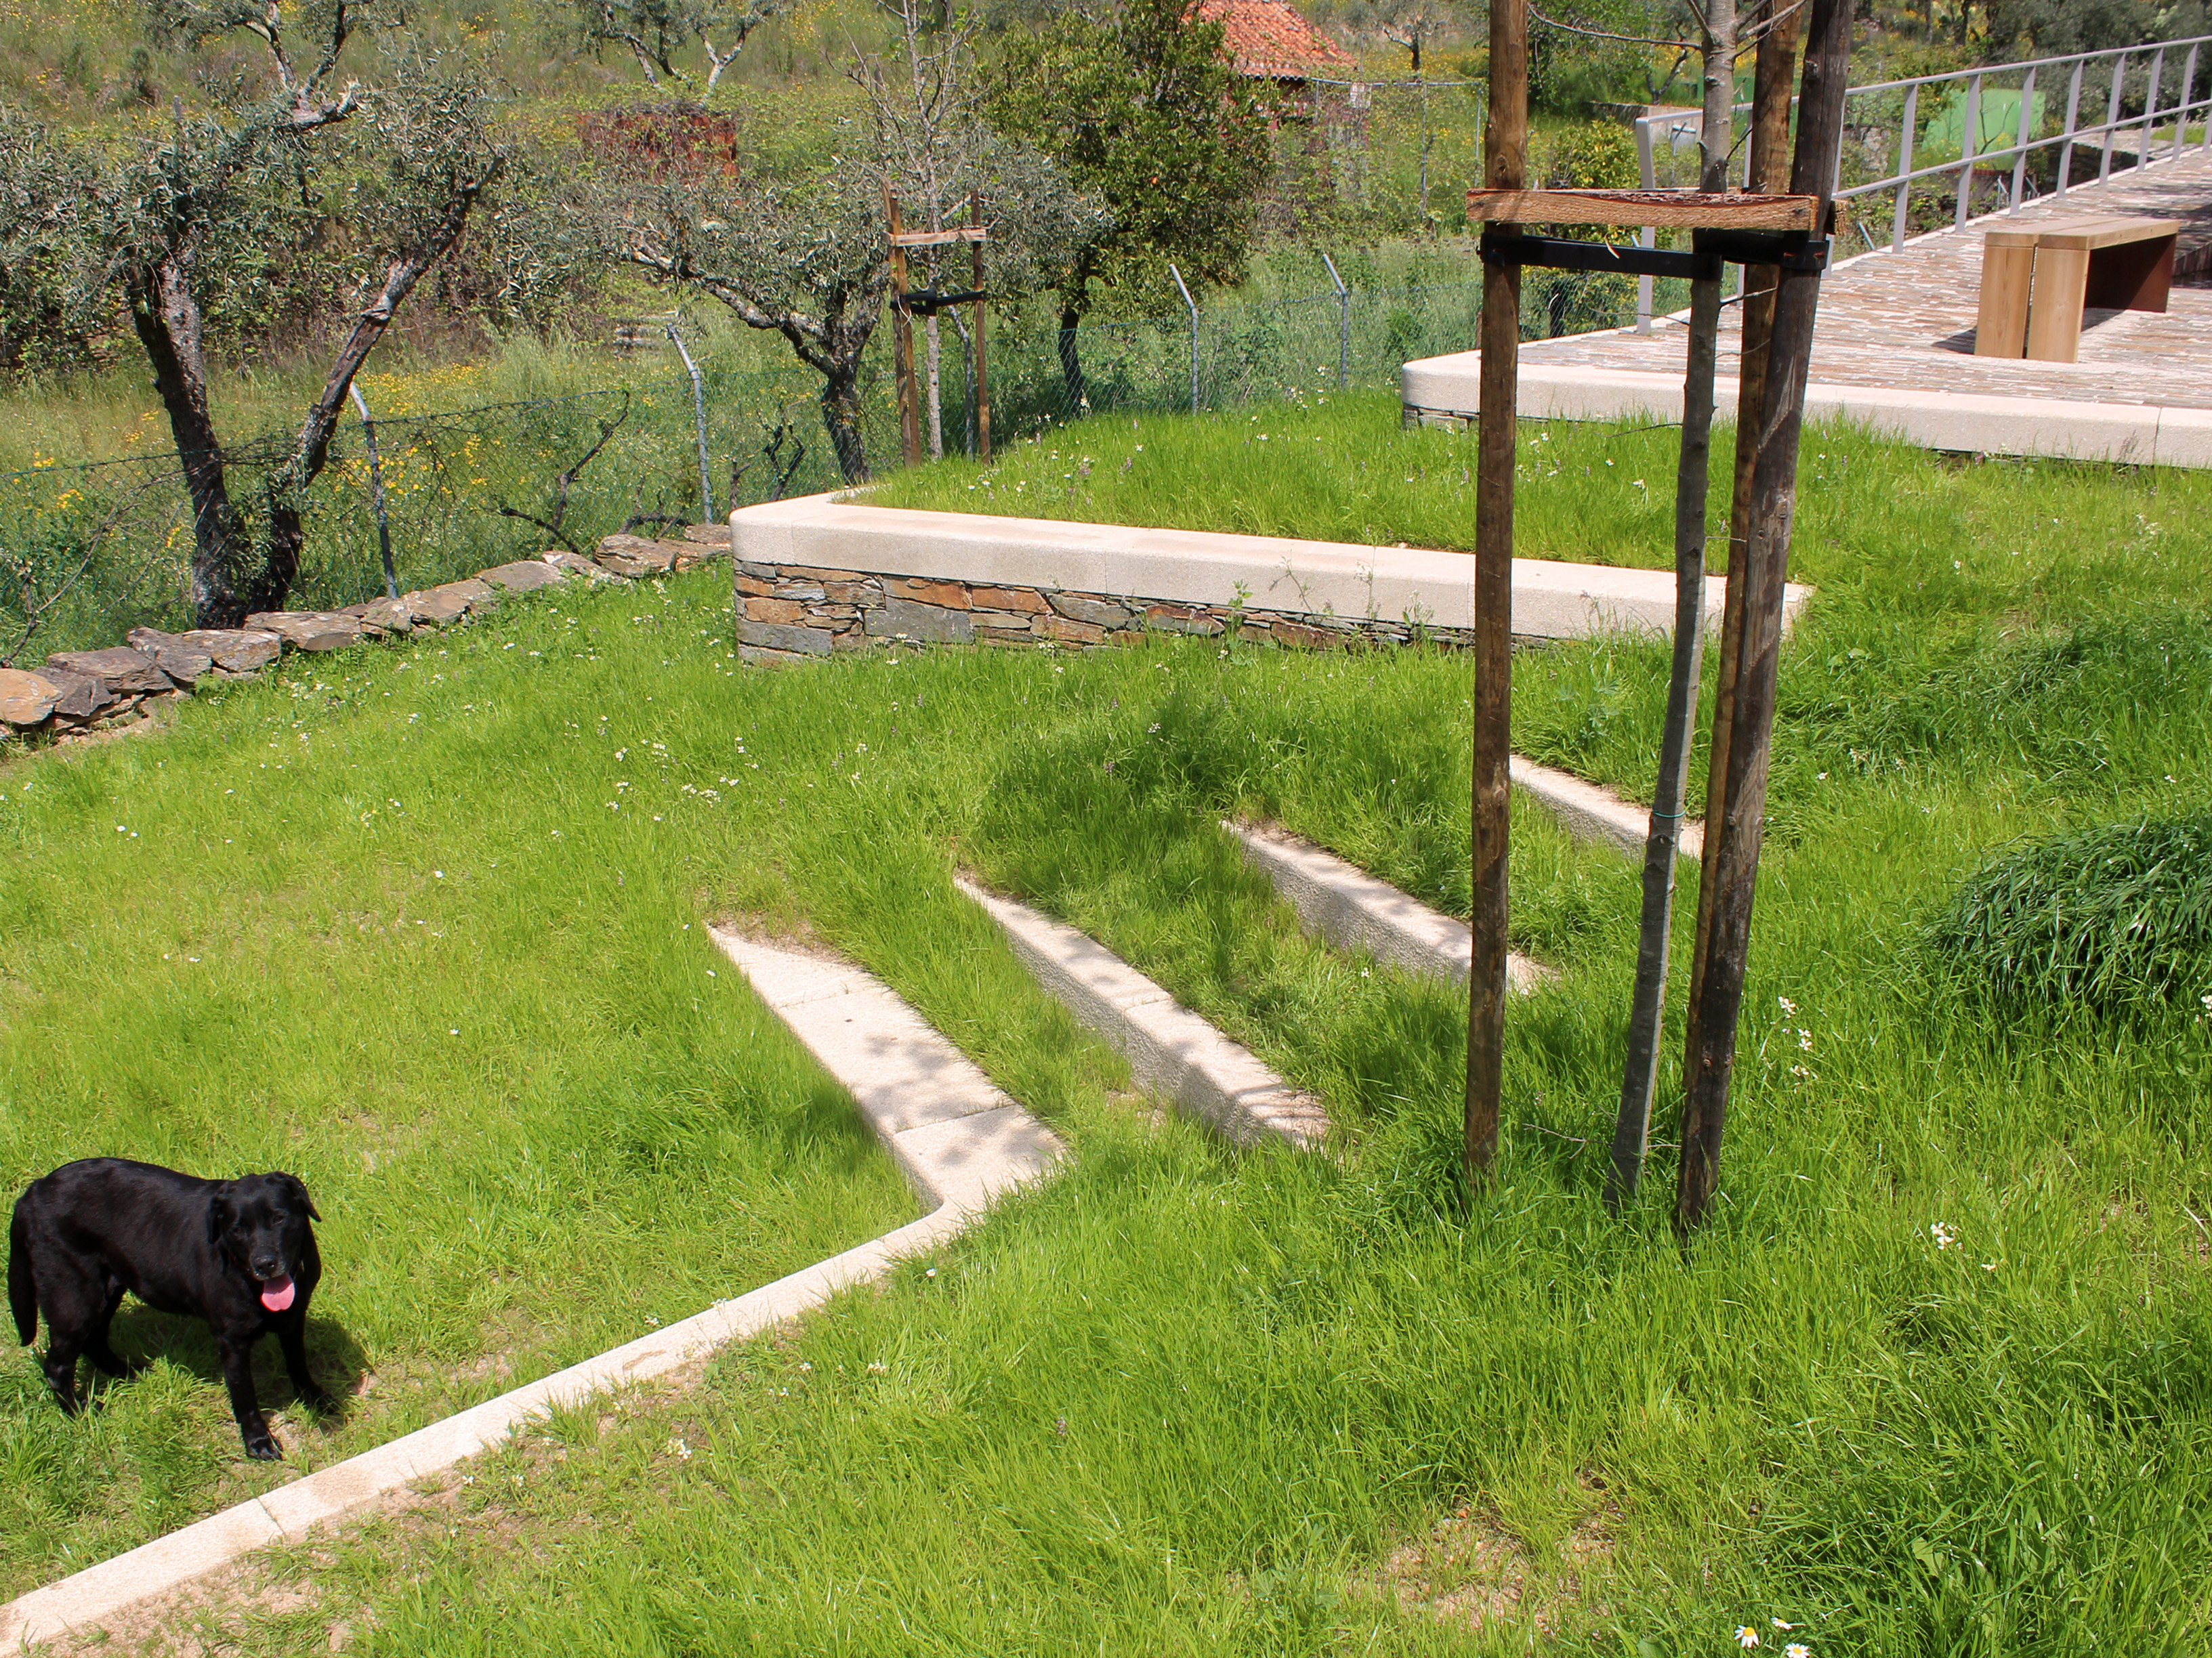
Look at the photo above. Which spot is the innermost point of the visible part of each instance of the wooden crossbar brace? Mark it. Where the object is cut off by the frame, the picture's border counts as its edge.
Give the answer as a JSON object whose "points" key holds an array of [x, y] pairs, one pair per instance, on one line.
{"points": [[964, 233], [1663, 209]]}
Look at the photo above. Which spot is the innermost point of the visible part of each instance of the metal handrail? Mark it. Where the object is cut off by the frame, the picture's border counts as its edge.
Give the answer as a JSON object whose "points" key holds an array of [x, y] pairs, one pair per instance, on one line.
{"points": [[2070, 134]]}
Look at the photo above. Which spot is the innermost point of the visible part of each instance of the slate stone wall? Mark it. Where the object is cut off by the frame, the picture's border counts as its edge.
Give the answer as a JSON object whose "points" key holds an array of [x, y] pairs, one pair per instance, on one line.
{"points": [[790, 612]]}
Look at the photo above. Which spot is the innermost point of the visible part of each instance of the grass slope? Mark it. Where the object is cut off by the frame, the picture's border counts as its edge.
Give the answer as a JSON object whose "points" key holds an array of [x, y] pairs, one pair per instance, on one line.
{"points": [[1933, 1380]]}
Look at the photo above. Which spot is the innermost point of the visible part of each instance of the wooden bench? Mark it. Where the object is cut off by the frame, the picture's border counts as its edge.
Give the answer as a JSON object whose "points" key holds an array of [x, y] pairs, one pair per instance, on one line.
{"points": [[2037, 281]]}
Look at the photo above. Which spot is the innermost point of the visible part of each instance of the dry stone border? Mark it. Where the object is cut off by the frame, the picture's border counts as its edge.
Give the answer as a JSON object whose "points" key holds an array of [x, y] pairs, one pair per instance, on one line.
{"points": [[75, 694]]}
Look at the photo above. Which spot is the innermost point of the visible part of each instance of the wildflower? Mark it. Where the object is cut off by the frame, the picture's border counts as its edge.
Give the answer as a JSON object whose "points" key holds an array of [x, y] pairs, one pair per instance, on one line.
{"points": [[1804, 1040], [1745, 1636], [932, 1272], [1944, 1235], [1788, 1007], [677, 1449], [1796, 1649], [1988, 1266], [1777, 1622], [876, 1369]]}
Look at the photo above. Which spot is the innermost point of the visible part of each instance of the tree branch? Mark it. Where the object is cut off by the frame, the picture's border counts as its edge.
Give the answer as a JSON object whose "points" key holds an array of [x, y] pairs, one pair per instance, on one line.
{"points": [[1607, 34]]}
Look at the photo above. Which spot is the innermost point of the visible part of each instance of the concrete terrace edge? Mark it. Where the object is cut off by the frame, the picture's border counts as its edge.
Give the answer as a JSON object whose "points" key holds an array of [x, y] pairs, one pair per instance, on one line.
{"points": [[1589, 812], [1170, 1049], [1330, 585], [1353, 910], [968, 1144], [1443, 390]]}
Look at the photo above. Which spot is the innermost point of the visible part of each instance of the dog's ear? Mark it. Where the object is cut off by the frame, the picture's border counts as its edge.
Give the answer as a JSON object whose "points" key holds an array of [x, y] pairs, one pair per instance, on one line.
{"points": [[300, 1190], [218, 1216]]}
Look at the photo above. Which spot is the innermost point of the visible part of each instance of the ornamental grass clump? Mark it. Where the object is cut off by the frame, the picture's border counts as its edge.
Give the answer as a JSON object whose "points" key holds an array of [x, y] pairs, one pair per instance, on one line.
{"points": [[2113, 921]]}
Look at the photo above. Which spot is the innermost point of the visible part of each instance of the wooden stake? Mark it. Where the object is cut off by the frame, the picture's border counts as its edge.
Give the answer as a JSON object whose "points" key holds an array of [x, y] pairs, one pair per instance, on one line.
{"points": [[1734, 828], [910, 402], [1505, 167], [983, 328], [1632, 1129], [1770, 169]]}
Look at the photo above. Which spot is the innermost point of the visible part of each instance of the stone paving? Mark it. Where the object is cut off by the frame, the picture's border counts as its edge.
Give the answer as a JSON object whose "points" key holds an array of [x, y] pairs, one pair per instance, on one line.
{"points": [[1906, 319]]}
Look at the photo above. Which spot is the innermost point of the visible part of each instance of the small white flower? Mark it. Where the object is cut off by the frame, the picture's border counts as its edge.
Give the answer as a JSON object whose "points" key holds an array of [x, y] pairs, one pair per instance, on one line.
{"points": [[1778, 1624], [1796, 1649], [1804, 1040], [1944, 1234], [1788, 1007], [1745, 1636], [677, 1449], [876, 1369], [932, 1272]]}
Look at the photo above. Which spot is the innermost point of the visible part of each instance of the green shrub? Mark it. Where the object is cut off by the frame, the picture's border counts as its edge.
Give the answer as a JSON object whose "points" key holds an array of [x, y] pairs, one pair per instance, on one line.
{"points": [[1599, 156], [2113, 920]]}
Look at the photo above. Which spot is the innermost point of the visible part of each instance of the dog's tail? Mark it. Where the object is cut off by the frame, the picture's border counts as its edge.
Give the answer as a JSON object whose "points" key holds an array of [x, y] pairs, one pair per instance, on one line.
{"points": [[23, 1294]]}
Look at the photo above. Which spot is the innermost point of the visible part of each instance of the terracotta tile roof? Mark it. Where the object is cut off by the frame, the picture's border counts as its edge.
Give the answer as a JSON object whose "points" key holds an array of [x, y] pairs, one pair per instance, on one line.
{"points": [[1268, 39]]}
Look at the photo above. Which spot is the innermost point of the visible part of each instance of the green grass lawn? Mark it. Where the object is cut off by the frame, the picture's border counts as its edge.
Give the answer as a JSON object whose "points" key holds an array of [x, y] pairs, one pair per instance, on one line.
{"points": [[1933, 1380]]}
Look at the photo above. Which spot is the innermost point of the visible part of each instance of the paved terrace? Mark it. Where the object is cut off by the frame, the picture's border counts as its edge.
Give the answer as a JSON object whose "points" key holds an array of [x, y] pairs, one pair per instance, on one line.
{"points": [[1895, 340]]}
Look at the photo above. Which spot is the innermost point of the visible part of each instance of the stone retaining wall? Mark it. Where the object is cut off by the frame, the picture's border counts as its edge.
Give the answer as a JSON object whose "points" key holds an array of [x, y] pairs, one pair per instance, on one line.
{"points": [[820, 574], [75, 694], [787, 612]]}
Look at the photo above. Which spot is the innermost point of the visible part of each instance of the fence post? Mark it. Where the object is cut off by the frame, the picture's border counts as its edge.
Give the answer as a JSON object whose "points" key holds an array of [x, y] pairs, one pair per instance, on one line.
{"points": [[2150, 108], [2073, 122], [2019, 162], [1905, 167], [376, 491], [1343, 325], [2181, 117], [1193, 304], [1970, 149], [1647, 171], [699, 413], [2113, 115]]}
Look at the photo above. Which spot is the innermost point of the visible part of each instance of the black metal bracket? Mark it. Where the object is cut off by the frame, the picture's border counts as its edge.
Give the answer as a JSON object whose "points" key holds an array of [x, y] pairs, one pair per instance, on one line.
{"points": [[1792, 250], [928, 302]]}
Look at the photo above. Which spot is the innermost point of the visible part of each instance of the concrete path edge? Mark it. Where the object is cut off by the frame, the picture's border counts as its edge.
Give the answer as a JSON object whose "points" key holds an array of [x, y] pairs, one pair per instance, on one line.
{"points": [[972, 1144], [1353, 910], [1169, 1047]]}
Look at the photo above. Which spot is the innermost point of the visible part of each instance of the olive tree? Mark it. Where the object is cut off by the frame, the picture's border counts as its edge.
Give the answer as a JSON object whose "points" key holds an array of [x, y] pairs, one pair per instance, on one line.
{"points": [[804, 252], [657, 33], [165, 223]]}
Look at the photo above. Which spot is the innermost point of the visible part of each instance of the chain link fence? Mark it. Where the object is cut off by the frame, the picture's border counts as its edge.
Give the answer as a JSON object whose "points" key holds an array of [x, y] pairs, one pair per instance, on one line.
{"points": [[88, 551]]}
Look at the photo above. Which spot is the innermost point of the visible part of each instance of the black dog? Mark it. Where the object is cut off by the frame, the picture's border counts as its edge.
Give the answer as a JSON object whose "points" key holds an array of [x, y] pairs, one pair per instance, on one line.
{"points": [[239, 1254]]}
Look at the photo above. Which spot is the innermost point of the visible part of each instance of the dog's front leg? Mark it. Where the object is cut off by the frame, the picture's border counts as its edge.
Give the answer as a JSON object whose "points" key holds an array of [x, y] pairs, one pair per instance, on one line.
{"points": [[60, 1366], [238, 1373], [291, 1335]]}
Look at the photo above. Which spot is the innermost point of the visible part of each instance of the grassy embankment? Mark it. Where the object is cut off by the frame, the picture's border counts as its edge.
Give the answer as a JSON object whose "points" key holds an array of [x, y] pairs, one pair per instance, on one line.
{"points": [[1932, 1380]]}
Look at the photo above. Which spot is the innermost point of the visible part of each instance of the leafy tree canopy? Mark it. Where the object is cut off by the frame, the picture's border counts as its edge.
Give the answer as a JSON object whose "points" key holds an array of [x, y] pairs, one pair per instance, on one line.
{"points": [[1146, 115]]}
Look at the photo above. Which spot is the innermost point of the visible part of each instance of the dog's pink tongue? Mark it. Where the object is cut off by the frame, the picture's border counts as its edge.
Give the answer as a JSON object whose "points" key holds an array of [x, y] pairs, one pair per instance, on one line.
{"points": [[276, 1294]]}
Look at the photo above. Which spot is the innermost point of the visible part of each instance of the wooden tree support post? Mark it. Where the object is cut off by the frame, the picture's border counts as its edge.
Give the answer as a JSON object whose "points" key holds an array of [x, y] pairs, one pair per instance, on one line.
{"points": [[1735, 813], [1505, 167], [909, 403], [1632, 1129]]}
